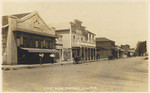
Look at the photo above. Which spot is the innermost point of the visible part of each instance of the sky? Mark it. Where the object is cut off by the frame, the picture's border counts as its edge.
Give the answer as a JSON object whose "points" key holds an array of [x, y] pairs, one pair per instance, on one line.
{"points": [[122, 22]]}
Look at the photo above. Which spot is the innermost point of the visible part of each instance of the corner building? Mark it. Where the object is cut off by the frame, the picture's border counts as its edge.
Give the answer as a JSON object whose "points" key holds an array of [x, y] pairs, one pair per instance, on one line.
{"points": [[25, 37]]}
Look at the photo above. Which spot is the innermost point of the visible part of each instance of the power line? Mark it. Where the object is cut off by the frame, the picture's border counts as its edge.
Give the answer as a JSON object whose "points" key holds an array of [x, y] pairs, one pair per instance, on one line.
{"points": [[47, 8], [43, 5]]}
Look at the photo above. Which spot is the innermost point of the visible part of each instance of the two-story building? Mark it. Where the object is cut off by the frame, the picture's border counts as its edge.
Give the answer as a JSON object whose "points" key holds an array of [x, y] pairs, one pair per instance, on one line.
{"points": [[59, 47], [77, 41], [105, 47], [27, 39]]}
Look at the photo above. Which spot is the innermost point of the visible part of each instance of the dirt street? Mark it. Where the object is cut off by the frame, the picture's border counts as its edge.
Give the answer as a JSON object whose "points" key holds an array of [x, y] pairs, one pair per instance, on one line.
{"points": [[120, 75]]}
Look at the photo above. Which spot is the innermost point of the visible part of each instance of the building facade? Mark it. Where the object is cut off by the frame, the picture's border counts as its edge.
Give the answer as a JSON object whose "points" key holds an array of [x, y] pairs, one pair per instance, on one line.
{"points": [[127, 49], [77, 41], [59, 47], [27, 39], [120, 53], [105, 48]]}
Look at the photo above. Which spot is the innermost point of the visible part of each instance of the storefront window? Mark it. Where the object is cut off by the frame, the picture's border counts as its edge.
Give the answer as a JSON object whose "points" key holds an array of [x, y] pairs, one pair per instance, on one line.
{"points": [[21, 40]]}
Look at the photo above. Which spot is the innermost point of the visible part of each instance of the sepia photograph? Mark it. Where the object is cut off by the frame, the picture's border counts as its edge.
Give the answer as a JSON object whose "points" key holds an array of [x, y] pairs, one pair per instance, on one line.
{"points": [[74, 46]]}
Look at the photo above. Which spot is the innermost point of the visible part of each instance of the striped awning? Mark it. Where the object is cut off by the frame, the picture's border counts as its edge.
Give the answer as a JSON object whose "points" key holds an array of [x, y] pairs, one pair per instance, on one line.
{"points": [[38, 50]]}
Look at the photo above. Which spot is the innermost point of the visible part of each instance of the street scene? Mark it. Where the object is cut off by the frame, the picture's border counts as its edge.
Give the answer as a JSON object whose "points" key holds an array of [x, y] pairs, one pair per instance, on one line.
{"points": [[121, 75], [74, 46]]}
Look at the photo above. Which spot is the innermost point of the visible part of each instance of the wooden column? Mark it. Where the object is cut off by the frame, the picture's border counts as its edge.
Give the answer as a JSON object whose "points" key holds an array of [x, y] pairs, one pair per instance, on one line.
{"points": [[84, 53], [90, 53]]}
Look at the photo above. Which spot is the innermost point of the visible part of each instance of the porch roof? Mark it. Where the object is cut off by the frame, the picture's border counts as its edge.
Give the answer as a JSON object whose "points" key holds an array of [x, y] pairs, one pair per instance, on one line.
{"points": [[34, 32], [38, 50]]}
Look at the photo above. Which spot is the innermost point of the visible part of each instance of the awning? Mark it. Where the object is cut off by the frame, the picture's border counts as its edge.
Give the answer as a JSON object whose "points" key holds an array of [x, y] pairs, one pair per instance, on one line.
{"points": [[38, 50]]}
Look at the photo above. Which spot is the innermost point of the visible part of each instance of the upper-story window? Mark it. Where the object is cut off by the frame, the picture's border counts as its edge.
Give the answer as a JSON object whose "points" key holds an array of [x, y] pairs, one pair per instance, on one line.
{"points": [[46, 44], [41, 44], [89, 36], [60, 39], [74, 37], [81, 38], [36, 43]]}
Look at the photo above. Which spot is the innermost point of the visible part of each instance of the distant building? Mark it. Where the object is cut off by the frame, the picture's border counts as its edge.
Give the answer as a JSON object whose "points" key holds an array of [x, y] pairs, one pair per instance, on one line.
{"points": [[59, 47], [126, 48], [120, 53], [129, 52], [105, 47], [27, 39], [77, 41]]}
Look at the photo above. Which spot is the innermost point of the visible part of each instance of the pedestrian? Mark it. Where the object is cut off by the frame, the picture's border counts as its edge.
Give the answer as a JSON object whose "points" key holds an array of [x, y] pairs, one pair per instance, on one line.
{"points": [[52, 56], [41, 55]]}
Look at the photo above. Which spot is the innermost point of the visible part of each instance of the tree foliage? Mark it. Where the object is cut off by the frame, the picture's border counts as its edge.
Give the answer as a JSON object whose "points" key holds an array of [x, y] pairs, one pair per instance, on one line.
{"points": [[141, 48]]}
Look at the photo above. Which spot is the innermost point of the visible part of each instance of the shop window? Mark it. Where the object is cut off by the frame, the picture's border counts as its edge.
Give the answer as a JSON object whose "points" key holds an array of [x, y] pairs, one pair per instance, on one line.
{"points": [[24, 41]]}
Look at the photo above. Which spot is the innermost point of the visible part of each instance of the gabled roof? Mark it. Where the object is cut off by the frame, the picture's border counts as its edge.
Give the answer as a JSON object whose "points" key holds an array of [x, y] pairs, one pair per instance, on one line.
{"points": [[22, 17], [100, 39], [60, 26], [5, 18]]}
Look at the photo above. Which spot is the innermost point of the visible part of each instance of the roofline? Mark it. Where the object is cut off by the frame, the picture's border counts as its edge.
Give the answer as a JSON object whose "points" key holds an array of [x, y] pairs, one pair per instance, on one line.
{"points": [[32, 14], [15, 14], [90, 32], [104, 37], [61, 29]]}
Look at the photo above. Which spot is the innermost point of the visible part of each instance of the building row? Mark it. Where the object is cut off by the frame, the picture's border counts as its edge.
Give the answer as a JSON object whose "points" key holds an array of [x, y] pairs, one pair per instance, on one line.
{"points": [[28, 39]]}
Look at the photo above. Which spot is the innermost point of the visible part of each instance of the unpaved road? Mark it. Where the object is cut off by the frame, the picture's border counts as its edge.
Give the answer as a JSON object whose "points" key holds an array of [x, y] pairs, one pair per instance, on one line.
{"points": [[120, 75]]}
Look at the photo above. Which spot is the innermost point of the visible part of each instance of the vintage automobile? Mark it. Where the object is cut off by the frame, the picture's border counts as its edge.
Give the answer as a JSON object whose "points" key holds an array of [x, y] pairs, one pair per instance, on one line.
{"points": [[78, 60]]}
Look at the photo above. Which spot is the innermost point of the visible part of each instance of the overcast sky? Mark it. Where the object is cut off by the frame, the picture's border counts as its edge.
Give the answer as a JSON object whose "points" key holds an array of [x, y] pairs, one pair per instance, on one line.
{"points": [[122, 22]]}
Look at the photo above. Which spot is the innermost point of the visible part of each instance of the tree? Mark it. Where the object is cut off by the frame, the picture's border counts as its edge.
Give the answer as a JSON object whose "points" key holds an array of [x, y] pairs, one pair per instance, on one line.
{"points": [[141, 48]]}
